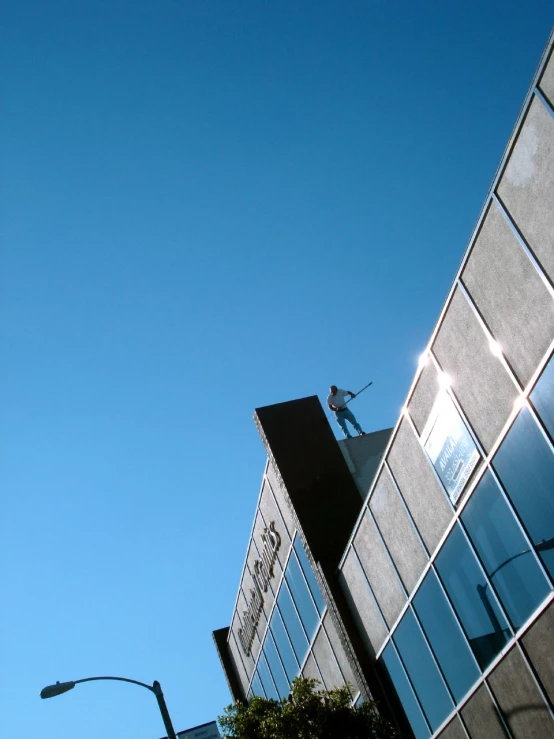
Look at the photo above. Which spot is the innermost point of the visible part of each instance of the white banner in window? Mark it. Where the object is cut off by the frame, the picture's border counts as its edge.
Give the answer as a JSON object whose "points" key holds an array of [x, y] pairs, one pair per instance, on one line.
{"points": [[450, 446]]}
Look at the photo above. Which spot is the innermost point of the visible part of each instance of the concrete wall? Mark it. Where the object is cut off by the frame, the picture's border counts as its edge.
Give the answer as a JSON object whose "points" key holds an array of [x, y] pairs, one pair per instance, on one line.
{"points": [[363, 455]]}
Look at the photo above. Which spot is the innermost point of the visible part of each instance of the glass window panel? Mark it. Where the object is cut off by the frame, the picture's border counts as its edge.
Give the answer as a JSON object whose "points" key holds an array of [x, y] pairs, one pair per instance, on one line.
{"points": [[266, 679], [284, 646], [276, 667], [543, 397], [292, 623], [508, 559], [411, 707], [473, 599], [525, 464], [359, 702], [310, 577], [257, 688], [447, 640], [450, 447], [424, 674], [301, 596]]}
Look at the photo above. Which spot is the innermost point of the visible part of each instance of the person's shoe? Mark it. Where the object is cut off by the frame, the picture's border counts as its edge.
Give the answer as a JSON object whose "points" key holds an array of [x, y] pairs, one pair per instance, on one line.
{"points": [[362, 433]]}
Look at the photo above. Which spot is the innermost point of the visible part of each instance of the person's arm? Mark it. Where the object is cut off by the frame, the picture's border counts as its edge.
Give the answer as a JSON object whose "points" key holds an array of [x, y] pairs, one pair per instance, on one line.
{"points": [[352, 395]]}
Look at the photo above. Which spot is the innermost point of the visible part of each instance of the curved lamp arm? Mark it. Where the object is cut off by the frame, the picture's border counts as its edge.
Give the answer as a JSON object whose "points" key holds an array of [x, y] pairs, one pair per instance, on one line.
{"points": [[121, 679], [52, 690]]}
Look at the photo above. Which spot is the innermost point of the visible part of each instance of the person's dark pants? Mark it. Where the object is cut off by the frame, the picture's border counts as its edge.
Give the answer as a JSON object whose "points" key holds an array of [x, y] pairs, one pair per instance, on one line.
{"points": [[345, 415]]}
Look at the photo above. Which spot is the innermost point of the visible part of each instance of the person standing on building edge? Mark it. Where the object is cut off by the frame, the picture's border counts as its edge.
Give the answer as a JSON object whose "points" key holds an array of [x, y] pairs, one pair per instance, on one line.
{"points": [[337, 403]]}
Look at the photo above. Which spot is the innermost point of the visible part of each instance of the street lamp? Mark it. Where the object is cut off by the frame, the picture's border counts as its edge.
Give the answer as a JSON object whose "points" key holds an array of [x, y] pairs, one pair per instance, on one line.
{"points": [[50, 691]]}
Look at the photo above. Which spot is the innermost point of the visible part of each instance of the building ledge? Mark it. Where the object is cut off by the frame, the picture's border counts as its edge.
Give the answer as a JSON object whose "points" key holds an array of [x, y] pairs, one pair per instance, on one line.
{"points": [[363, 455]]}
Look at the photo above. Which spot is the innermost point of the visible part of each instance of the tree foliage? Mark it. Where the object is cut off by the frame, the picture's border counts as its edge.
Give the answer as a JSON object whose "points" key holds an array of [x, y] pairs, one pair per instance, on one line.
{"points": [[308, 713]]}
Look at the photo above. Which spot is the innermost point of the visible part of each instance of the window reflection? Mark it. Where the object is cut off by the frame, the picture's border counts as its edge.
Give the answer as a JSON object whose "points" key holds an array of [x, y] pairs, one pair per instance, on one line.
{"points": [[445, 636], [397, 676], [471, 596], [301, 596], [542, 397], [256, 688], [449, 445], [308, 572], [284, 646], [422, 670], [504, 551], [279, 677], [266, 679], [525, 465], [294, 627]]}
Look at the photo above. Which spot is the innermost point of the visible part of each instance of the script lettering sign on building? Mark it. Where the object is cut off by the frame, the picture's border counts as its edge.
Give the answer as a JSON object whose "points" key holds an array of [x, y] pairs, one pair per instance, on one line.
{"points": [[263, 572]]}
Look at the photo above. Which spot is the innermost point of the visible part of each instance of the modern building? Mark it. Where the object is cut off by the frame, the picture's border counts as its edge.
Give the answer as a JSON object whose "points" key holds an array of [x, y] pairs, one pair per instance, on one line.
{"points": [[417, 564]]}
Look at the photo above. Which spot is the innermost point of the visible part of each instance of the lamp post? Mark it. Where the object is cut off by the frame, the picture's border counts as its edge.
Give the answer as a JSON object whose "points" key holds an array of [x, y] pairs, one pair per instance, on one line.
{"points": [[50, 691]]}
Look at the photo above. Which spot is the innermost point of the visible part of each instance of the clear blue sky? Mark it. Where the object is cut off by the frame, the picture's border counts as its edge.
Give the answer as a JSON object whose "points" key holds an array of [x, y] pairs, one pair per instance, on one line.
{"points": [[208, 206]]}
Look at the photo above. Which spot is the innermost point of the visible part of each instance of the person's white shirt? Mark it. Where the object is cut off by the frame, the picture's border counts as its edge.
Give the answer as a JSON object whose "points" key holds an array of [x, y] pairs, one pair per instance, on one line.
{"points": [[338, 399]]}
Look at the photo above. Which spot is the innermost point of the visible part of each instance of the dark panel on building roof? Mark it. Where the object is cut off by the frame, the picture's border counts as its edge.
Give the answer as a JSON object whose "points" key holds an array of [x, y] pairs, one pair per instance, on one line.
{"points": [[220, 639], [302, 446]]}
